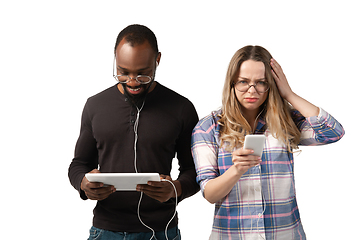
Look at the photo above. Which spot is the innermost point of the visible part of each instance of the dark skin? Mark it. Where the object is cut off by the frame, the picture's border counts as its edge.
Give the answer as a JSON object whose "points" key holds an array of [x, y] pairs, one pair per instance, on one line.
{"points": [[133, 61], [96, 190]]}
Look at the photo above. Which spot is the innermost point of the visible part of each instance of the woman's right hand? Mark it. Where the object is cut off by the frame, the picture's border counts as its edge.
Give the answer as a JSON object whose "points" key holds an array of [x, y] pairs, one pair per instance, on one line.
{"points": [[217, 188], [243, 161]]}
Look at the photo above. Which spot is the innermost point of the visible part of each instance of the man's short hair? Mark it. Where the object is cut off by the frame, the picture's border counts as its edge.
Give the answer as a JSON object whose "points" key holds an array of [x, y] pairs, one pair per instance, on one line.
{"points": [[137, 34]]}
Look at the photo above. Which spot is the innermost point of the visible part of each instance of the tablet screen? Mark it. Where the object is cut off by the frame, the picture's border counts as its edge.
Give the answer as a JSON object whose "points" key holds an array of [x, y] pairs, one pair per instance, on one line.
{"points": [[123, 181]]}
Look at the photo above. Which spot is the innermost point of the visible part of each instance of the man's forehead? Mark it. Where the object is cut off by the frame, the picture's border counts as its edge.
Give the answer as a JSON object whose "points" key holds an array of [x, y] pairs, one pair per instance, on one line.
{"points": [[128, 45]]}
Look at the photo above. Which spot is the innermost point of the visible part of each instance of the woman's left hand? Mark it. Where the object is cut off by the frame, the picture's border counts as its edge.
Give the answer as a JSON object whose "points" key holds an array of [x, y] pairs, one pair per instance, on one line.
{"points": [[280, 79], [306, 108]]}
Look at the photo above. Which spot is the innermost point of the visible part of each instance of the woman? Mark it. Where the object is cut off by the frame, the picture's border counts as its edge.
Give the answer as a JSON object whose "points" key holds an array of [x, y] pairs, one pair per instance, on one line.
{"points": [[255, 197]]}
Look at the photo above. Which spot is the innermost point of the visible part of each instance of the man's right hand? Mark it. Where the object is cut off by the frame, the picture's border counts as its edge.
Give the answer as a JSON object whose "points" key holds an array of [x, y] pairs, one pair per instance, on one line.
{"points": [[95, 190]]}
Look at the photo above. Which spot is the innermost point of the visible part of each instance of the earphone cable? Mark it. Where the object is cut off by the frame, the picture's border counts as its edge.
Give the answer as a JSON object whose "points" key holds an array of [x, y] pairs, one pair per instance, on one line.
{"points": [[136, 125]]}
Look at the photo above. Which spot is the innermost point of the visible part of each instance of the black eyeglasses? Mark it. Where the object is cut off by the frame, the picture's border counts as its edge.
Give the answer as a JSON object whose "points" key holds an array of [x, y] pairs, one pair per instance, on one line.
{"points": [[260, 86]]}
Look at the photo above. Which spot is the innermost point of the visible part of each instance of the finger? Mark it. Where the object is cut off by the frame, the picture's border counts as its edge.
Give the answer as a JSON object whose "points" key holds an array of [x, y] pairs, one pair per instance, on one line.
{"points": [[248, 160], [153, 191], [276, 69], [160, 194], [243, 151], [250, 163], [102, 189], [94, 185], [98, 197], [157, 196], [100, 193], [275, 64], [154, 187], [162, 176], [255, 160], [85, 183], [276, 77], [95, 171]]}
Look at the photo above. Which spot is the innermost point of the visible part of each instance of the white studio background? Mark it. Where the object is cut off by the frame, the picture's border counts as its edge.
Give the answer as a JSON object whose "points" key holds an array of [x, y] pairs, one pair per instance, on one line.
{"points": [[56, 54]]}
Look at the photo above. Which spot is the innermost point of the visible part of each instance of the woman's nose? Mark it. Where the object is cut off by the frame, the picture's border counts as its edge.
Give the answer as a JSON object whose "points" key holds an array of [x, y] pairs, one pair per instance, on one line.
{"points": [[252, 89]]}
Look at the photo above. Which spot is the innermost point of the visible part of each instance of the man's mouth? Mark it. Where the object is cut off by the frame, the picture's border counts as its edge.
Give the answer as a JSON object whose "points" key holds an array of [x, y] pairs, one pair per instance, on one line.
{"points": [[134, 90]]}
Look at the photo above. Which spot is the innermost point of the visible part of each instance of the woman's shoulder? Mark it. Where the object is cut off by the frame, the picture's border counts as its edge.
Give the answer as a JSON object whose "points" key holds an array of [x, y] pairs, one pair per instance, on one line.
{"points": [[210, 120]]}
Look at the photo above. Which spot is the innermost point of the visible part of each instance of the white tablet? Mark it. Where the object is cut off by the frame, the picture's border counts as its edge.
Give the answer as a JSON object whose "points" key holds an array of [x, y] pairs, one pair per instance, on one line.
{"points": [[123, 181]]}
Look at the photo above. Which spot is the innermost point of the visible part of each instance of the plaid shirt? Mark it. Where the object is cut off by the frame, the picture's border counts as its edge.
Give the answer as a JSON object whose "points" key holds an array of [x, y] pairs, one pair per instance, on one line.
{"points": [[262, 204]]}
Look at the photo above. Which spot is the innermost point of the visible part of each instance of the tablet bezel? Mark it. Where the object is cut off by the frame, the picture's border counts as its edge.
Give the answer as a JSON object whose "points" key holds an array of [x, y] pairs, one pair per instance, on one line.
{"points": [[123, 181]]}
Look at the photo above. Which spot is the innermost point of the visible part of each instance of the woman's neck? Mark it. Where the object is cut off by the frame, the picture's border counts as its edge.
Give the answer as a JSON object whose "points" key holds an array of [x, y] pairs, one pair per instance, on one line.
{"points": [[252, 117]]}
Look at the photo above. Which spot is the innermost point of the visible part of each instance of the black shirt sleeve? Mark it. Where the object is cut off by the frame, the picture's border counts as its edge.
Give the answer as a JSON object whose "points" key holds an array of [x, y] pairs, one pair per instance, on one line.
{"points": [[187, 171], [86, 155]]}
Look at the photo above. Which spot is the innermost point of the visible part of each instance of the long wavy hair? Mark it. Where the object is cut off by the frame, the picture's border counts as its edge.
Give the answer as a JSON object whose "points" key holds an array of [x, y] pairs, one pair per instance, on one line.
{"points": [[275, 109]]}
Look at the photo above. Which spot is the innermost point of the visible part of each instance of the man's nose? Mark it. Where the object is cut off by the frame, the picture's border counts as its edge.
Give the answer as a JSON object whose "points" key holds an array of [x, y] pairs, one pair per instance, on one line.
{"points": [[132, 80]]}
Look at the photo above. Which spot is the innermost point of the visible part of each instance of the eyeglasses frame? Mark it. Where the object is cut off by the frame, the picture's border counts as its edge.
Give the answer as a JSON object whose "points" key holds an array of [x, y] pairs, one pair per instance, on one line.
{"points": [[252, 85], [129, 78]]}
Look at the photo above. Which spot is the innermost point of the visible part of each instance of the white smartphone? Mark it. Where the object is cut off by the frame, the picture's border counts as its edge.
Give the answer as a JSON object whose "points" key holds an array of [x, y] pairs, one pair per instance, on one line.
{"points": [[256, 143]]}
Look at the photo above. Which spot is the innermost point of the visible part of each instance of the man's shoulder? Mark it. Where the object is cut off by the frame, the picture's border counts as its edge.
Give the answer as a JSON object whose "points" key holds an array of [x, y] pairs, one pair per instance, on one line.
{"points": [[171, 94], [175, 103], [104, 94]]}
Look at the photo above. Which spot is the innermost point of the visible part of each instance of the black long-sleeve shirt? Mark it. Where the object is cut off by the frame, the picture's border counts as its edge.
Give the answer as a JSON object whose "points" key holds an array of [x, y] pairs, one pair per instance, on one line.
{"points": [[107, 140]]}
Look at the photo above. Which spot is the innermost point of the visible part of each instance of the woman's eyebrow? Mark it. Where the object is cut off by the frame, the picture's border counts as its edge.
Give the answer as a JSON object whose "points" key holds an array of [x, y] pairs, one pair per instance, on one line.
{"points": [[244, 78]]}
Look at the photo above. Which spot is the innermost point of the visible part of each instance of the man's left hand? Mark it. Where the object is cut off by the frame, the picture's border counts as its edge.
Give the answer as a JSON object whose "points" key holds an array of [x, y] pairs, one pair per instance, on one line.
{"points": [[161, 191]]}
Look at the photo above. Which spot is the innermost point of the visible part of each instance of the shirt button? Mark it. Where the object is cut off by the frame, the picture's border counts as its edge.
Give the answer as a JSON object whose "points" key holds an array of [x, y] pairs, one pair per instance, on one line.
{"points": [[126, 99], [132, 121]]}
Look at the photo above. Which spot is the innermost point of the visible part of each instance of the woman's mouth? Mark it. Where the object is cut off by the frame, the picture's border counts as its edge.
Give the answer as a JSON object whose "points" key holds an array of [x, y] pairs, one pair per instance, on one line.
{"points": [[251, 100]]}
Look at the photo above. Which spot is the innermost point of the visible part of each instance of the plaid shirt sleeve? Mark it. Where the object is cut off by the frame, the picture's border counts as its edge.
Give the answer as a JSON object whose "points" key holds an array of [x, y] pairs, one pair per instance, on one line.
{"points": [[205, 150], [318, 130], [262, 204]]}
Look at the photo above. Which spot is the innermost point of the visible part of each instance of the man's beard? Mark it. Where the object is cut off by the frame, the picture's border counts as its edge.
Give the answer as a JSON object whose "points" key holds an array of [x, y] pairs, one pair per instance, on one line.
{"points": [[137, 99]]}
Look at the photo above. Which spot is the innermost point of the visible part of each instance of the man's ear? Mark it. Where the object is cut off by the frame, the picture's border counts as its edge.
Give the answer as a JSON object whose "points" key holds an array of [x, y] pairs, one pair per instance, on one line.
{"points": [[158, 59]]}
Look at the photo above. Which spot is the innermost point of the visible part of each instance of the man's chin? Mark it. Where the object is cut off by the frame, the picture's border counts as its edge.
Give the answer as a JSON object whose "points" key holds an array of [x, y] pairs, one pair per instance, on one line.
{"points": [[135, 94]]}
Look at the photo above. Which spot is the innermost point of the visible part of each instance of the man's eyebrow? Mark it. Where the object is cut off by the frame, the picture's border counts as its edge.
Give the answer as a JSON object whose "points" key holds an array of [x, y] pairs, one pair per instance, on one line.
{"points": [[137, 70]]}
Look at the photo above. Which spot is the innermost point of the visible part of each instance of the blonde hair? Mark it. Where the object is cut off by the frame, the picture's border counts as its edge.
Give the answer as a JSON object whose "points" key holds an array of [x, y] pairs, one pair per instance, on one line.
{"points": [[277, 111]]}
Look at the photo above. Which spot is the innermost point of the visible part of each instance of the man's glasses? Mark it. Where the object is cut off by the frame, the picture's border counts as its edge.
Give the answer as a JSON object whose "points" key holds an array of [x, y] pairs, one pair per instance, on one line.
{"points": [[142, 79], [244, 86]]}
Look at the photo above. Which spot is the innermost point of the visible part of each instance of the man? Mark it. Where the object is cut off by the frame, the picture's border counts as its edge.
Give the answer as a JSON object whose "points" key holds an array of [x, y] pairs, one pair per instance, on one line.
{"points": [[137, 125]]}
